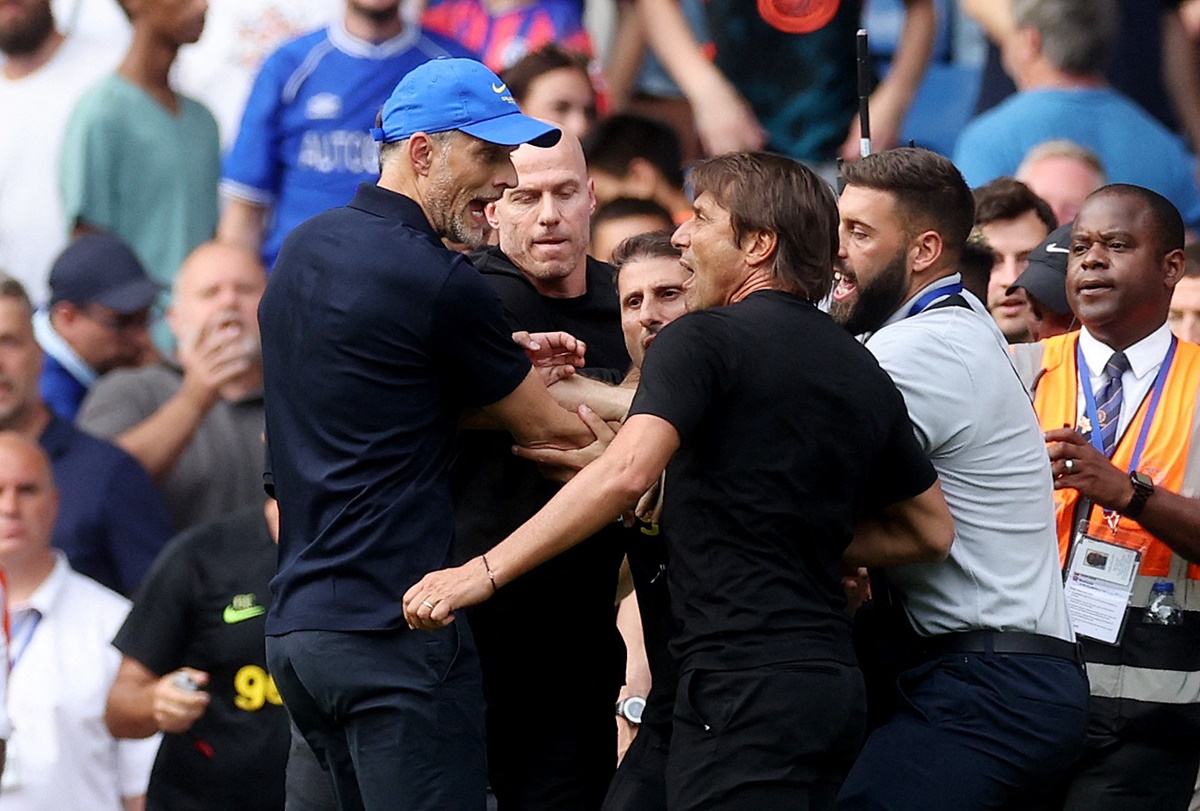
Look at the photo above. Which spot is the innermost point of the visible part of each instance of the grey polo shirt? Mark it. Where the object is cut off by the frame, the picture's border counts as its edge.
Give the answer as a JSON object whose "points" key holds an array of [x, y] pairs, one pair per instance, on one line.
{"points": [[975, 420], [221, 470]]}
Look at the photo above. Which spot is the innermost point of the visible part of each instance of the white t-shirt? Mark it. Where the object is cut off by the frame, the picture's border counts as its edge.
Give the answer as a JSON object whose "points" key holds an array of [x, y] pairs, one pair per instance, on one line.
{"points": [[974, 418], [34, 113]]}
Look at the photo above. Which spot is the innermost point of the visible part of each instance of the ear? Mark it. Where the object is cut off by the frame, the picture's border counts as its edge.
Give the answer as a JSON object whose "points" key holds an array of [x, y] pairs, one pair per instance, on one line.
{"points": [[421, 151], [63, 314], [926, 251], [1173, 265], [591, 192], [489, 211], [759, 247]]}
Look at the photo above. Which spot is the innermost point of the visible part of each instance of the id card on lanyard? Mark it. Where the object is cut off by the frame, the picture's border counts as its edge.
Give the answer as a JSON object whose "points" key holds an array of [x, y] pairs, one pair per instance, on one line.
{"points": [[1104, 560]]}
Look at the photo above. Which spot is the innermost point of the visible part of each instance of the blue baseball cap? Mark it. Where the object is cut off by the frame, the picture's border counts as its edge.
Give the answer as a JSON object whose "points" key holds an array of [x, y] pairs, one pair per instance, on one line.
{"points": [[459, 94], [101, 268]]}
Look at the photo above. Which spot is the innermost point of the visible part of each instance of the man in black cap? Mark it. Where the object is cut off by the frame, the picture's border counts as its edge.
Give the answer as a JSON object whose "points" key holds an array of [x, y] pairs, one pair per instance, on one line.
{"points": [[96, 320], [1045, 284]]}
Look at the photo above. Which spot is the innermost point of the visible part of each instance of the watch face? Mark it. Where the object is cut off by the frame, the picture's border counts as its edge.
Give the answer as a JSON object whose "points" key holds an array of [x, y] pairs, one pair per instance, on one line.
{"points": [[632, 708], [1142, 479]]}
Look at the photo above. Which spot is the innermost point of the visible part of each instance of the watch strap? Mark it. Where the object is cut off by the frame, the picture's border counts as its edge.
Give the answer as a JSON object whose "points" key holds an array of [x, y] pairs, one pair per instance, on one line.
{"points": [[1143, 487]]}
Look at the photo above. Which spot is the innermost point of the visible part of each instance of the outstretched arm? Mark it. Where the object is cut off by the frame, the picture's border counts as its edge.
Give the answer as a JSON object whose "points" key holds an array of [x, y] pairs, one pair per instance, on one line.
{"points": [[596, 497]]}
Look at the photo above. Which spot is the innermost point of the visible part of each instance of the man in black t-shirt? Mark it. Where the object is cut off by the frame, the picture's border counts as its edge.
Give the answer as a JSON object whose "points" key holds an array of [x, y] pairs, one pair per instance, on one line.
{"points": [[790, 447], [194, 667], [550, 690]]}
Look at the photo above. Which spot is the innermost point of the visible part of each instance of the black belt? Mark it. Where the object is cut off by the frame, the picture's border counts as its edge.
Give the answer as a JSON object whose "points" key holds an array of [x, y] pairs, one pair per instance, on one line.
{"points": [[1000, 642]]}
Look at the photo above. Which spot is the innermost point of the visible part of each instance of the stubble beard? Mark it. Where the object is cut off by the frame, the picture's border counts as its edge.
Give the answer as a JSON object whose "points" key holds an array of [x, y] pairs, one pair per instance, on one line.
{"points": [[27, 36]]}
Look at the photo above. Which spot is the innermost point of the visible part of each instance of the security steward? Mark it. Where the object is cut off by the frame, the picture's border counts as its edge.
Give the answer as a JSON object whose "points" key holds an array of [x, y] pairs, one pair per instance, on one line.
{"points": [[1127, 473]]}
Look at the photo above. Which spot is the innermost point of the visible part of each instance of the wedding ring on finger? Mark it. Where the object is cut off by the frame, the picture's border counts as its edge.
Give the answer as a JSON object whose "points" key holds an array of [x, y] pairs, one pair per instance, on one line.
{"points": [[427, 604], [1068, 466]]}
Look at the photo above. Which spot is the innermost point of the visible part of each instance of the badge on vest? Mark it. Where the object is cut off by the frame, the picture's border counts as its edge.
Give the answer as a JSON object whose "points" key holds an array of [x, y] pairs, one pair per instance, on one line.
{"points": [[1099, 580]]}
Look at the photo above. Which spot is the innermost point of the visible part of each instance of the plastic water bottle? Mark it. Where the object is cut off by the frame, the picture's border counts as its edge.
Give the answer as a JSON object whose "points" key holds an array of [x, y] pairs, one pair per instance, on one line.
{"points": [[1163, 609]]}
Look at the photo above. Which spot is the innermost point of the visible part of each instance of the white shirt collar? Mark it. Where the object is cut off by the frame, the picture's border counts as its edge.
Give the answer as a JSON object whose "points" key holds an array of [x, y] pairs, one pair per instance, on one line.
{"points": [[351, 45], [57, 347], [1144, 357], [46, 595]]}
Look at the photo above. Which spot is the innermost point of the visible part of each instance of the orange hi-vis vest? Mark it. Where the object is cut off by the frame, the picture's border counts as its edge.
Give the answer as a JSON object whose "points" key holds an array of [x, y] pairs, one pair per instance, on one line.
{"points": [[1164, 457], [1147, 685]]}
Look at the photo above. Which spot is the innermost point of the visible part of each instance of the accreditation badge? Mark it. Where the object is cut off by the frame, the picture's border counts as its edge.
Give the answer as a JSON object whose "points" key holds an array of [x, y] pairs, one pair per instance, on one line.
{"points": [[1100, 577]]}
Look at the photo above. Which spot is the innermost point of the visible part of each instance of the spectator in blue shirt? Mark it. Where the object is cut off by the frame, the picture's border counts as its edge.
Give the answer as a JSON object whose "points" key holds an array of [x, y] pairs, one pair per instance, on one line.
{"points": [[111, 521], [305, 142], [100, 298]]}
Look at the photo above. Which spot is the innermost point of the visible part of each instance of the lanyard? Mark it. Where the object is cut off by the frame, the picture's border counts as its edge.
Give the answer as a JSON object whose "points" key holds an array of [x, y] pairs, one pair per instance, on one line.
{"points": [[922, 304], [18, 646], [1093, 414]]}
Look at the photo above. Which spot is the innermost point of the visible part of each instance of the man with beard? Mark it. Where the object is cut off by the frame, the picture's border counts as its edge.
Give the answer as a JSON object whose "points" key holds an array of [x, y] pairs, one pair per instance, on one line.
{"points": [[996, 697], [783, 433], [561, 757], [42, 76], [195, 422], [376, 338], [305, 139]]}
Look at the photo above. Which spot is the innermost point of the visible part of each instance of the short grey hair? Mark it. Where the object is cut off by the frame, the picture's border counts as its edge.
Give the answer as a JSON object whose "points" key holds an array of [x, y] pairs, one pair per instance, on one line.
{"points": [[1062, 148], [388, 148], [1076, 34]]}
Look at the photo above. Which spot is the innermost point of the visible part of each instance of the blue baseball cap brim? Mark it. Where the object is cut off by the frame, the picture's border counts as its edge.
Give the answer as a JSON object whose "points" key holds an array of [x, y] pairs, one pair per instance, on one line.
{"points": [[513, 130]]}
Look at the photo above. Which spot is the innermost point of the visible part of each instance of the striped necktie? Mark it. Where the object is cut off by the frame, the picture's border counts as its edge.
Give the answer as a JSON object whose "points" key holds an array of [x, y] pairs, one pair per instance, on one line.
{"points": [[1109, 399]]}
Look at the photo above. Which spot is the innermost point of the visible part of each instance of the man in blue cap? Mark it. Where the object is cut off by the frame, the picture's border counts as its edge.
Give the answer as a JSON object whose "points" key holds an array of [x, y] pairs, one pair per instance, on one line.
{"points": [[376, 338], [100, 298]]}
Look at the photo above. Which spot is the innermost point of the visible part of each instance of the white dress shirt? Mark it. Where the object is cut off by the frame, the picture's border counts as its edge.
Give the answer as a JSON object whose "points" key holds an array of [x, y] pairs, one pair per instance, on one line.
{"points": [[1145, 358], [61, 755]]}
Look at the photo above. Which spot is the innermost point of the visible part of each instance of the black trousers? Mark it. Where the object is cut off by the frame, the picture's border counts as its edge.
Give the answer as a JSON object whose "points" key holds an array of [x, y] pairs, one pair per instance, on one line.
{"points": [[770, 738], [395, 717], [1133, 776], [640, 783]]}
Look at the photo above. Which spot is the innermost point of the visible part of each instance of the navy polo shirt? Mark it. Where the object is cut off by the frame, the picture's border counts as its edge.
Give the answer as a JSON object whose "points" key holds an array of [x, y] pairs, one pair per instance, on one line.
{"points": [[375, 338], [112, 521]]}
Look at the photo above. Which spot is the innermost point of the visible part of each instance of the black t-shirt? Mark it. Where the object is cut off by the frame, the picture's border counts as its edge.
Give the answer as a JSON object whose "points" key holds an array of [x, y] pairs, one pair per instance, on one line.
{"points": [[789, 430], [203, 605], [577, 643], [375, 338]]}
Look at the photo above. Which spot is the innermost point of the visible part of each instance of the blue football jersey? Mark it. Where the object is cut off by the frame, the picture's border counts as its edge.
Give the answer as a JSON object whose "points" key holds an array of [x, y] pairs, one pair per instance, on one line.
{"points": [[305, 143]]}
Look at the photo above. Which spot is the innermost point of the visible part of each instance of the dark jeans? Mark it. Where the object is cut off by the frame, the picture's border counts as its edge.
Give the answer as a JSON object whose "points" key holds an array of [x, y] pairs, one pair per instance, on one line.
{"points": [[396, 717], [765, 739], [973, 731]]}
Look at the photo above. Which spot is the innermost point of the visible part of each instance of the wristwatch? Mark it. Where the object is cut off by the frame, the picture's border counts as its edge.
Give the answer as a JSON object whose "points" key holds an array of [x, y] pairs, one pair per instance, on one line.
{"points": [[1143, 487], [631, 709]]}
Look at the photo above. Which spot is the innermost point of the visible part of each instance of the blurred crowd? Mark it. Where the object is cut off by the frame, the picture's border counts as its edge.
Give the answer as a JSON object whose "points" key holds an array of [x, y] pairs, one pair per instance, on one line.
{"points": [[154, 156]]}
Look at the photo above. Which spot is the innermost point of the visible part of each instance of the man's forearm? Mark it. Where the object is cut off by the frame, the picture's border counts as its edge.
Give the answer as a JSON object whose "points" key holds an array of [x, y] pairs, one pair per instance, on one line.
{"points": [[918, 530], [610, 402], [159, 441], [1174, 520]]}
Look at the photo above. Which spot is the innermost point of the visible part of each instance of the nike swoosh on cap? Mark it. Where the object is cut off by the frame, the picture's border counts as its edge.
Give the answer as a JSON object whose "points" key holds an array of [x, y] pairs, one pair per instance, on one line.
{"points": [[499, 89], [1053, 248]]}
